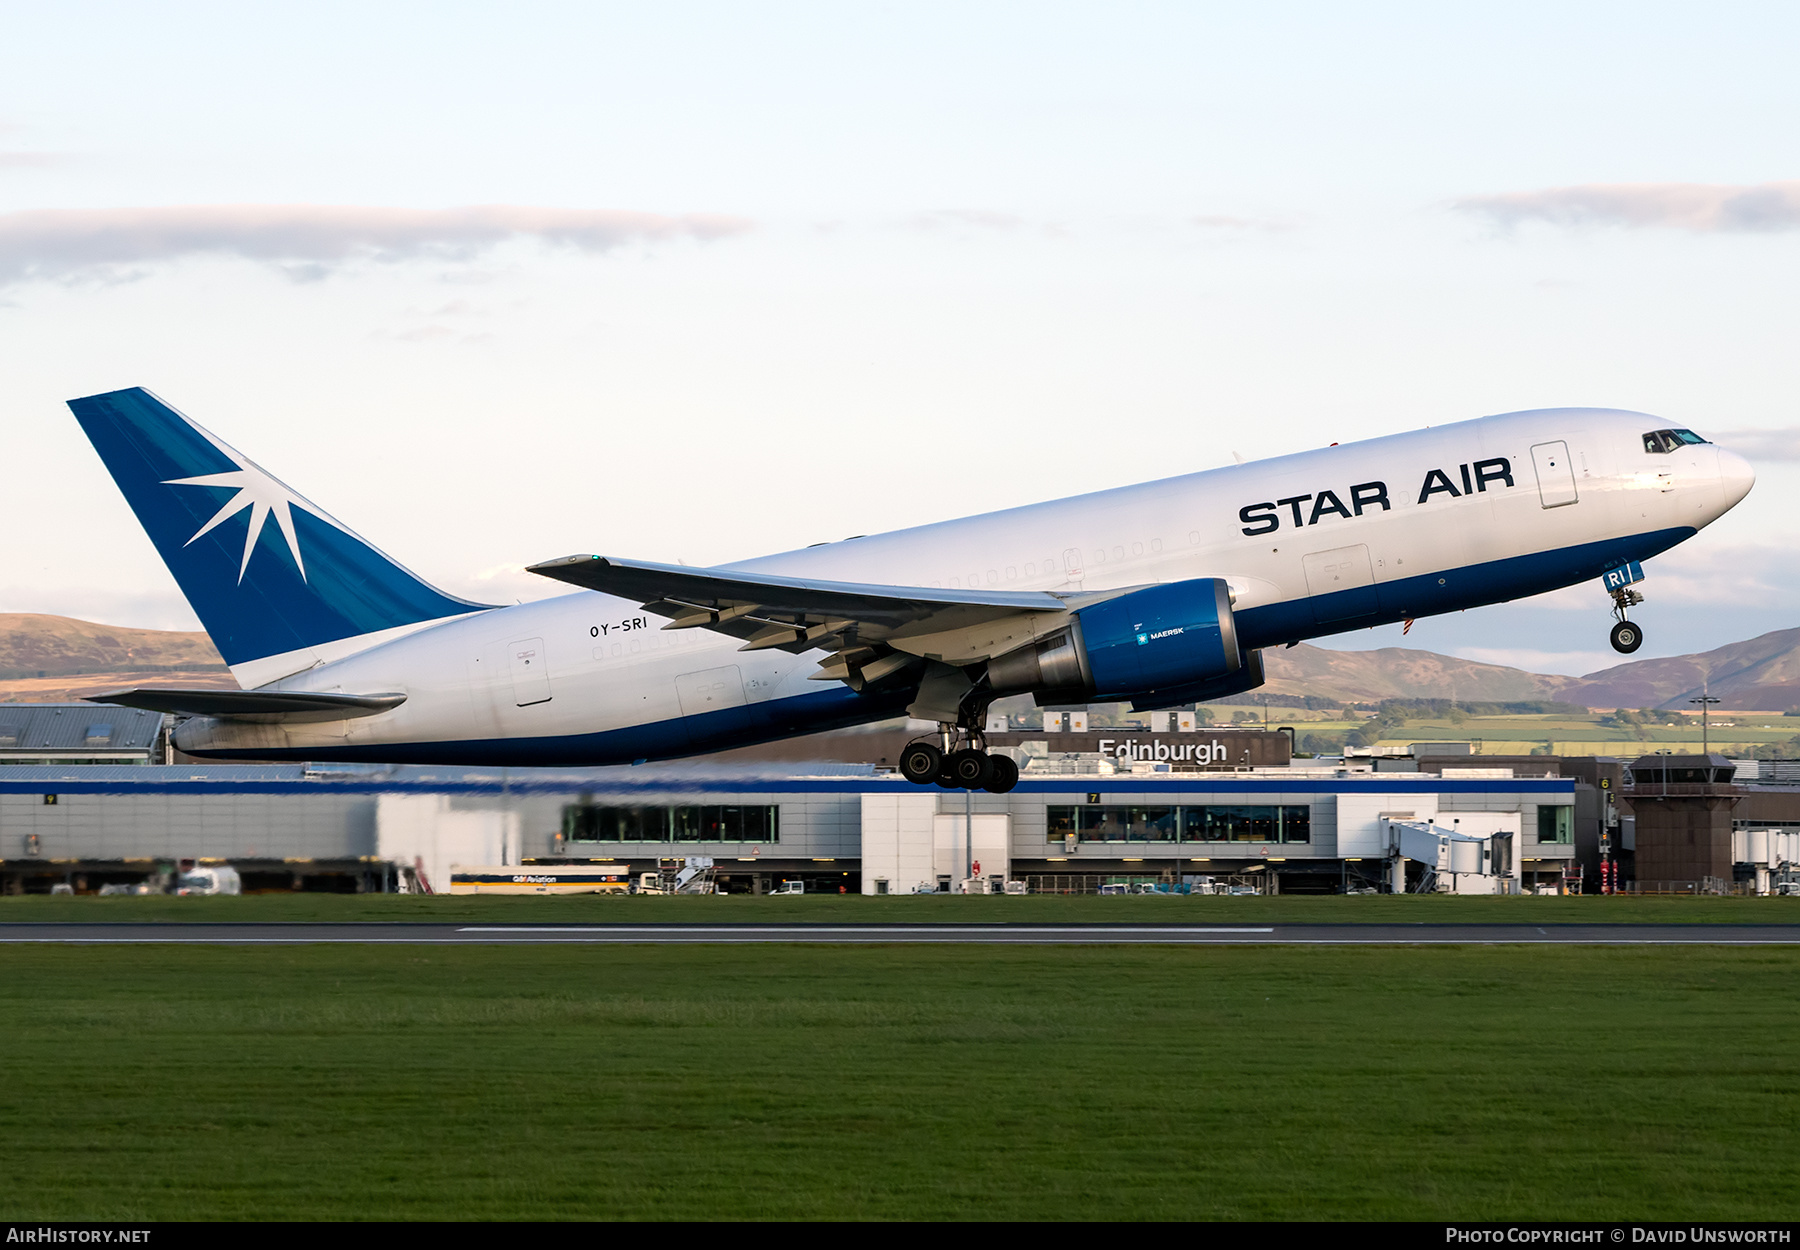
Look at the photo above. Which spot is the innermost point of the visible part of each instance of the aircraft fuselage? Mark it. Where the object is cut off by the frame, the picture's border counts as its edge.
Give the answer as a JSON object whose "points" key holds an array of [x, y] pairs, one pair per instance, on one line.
{"points": [[1312, 544]]}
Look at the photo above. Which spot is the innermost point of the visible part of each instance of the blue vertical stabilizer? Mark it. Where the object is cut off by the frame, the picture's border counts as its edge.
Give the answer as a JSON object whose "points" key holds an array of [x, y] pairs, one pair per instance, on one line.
{"points": [[266, 571]]}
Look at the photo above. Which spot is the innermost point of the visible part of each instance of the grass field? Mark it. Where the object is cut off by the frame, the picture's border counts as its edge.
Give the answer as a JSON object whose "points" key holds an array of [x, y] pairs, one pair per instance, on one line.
{"points": [[926, 909], [1731, 732], [1585, 735], [889, 1082]]}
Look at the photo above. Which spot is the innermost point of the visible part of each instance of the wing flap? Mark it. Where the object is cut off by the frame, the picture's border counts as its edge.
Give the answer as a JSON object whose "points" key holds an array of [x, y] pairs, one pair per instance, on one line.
{"points": [[803, 614], [687, 592]]}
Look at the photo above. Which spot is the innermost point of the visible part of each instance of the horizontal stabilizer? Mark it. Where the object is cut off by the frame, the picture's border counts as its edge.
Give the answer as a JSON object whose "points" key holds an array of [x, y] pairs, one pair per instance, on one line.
{"points": [[261, 705]]}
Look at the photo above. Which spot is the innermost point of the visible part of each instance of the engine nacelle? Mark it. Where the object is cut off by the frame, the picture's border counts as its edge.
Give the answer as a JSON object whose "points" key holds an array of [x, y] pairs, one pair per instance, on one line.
{"points": [[1161, 638], [1248, 677]]}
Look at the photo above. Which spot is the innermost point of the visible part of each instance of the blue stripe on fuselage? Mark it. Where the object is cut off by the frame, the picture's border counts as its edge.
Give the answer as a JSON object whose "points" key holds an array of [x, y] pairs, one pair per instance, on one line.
{"points": [[1452, 590], [835, 707]]}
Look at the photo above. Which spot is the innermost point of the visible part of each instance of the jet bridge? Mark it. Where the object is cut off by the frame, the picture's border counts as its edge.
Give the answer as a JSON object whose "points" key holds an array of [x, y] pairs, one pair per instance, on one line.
{"points": [[1455, 862]]}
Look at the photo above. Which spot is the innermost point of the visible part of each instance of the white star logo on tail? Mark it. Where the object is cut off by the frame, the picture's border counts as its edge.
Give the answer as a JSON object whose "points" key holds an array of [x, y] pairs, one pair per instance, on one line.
{"points": [[263, 495]]}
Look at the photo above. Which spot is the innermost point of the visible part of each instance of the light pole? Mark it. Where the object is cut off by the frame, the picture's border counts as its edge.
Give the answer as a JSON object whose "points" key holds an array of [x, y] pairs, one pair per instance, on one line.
{"points": [[968, 834], [1705, 701]]}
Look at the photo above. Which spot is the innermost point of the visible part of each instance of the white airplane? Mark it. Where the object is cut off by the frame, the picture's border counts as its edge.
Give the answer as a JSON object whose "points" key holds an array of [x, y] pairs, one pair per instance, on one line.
{"points": [[1160, 594]]}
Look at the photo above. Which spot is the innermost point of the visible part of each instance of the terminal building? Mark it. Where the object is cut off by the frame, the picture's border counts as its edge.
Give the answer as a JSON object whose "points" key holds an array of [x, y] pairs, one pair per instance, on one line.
{"points": [[848, 827], [1130, 809]]}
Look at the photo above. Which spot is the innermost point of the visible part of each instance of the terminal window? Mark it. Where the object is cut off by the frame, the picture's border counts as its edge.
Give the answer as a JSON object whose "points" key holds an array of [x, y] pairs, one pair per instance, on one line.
{"points": [[1556, 825], [586, 822], [1200, 823]]}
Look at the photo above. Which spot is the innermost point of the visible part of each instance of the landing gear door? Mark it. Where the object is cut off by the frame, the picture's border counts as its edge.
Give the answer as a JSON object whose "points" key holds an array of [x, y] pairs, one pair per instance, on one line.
{"points": [[1555, 475]]}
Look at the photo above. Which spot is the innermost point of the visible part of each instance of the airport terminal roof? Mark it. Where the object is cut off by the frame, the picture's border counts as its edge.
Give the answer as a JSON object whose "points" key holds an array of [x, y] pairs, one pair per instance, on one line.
{"points": [[76, 727]]}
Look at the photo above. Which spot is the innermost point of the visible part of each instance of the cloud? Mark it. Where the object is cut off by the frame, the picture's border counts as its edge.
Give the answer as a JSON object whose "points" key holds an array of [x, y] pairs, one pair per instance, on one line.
{"points": [[981, 219], [502, 583], [1768, 445], [1699, 207], [1220, 222], [1560, 663], [1706, 572], [1713, 574], [310, 241], [30, 160]]}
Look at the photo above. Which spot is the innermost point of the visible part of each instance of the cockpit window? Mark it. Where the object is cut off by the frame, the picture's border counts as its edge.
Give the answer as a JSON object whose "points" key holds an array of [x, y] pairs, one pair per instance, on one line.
{"points": [[1660, 442]]}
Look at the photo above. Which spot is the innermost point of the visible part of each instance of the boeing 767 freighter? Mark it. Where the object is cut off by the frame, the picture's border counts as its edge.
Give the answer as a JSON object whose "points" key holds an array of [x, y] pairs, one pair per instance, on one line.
{"points": [[1159, 594]]}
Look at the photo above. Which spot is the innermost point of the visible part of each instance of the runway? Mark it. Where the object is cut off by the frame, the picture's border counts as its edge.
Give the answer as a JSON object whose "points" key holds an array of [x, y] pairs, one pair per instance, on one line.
{"points": [[405, 934]]}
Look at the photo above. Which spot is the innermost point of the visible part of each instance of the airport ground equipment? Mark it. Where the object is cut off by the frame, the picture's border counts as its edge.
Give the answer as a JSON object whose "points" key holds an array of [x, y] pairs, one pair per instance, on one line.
{"points": [[209, 879], [691, 874], [540, 879]]}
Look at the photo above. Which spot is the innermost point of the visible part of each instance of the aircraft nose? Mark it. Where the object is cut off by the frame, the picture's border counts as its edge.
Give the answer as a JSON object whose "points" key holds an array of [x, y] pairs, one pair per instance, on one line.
{"points": [[1736, 477]]}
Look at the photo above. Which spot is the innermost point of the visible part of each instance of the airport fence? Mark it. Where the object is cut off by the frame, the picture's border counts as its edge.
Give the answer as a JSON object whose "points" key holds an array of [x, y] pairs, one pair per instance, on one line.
{"points": [[1139, 883], [1706, 885]]}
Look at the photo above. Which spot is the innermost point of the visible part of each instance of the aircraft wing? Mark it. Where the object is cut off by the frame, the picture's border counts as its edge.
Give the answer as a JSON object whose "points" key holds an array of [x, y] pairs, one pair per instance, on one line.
{"points": [[260, 705], [875, 629]]}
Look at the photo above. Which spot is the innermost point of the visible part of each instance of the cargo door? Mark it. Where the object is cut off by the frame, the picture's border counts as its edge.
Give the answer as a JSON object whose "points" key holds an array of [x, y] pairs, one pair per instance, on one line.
{"points": [[1340, 583], [530, 674], [714, 709], [1555, 475], [710, 690]]}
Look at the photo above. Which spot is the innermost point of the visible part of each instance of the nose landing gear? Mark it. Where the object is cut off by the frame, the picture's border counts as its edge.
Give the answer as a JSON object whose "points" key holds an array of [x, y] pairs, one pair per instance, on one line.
{"points": [[1626, 637], [965, 767]]}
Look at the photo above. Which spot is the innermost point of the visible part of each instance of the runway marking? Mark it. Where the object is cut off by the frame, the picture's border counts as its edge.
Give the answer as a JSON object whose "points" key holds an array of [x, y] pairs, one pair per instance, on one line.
{"points": [[625, 940], [858, 929]]}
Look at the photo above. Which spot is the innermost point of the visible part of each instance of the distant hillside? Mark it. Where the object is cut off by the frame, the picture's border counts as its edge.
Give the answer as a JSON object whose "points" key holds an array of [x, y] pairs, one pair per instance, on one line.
{"points": [[54, 646], [51, 658], [1399, 673], [1762, 674], [46, 659]]}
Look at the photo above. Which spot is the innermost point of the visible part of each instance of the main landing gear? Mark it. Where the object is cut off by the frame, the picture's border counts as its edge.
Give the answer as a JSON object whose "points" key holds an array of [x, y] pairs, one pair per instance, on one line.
{"points": [[954, 767], [1626, 637]]}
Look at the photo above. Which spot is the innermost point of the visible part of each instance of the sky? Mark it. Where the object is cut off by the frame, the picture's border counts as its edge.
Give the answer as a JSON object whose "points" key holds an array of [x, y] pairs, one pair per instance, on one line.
{"points": [[499, 283]]}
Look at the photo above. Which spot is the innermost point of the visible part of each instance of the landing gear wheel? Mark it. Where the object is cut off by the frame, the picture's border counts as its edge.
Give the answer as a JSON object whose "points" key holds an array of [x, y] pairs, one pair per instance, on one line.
{"points": [[1005, 775], [972, 769], [921, 763], [1626, 637], [946, 778]]}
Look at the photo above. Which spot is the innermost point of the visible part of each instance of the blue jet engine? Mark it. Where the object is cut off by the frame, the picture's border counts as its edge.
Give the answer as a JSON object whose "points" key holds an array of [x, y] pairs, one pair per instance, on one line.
{"points": [[1156, 647]]}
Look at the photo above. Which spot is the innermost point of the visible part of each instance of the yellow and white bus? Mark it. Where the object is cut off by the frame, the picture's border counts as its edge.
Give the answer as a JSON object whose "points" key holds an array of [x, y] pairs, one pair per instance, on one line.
{"points": [[540, 879]]}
